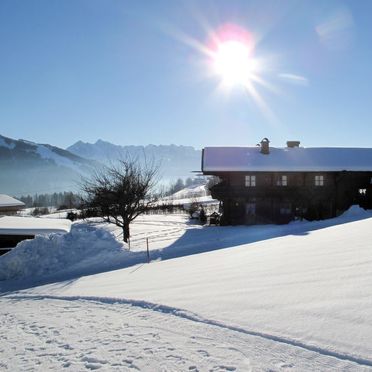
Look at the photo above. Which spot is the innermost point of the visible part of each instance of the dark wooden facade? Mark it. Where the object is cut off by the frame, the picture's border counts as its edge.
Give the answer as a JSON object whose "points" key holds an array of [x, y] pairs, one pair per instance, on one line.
{"points": [[279, 197]]}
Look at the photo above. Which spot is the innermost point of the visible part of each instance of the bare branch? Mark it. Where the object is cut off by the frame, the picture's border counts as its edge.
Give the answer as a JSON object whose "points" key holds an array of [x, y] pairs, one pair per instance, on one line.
{"points": [[121, 192]]}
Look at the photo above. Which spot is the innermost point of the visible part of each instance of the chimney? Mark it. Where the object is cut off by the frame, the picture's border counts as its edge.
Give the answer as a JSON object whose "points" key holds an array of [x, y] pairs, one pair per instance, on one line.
{"points": [[293, 144], [265, 149]]}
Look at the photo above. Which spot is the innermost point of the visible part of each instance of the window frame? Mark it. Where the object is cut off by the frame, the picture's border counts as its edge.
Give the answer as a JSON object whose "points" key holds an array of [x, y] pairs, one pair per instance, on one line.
{"points": [[250, 180], [282, 180], [319, 180]]}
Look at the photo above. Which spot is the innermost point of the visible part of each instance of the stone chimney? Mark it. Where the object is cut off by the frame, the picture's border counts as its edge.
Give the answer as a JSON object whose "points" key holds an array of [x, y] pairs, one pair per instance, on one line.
{"points": [[293, 144], [265, 148]]}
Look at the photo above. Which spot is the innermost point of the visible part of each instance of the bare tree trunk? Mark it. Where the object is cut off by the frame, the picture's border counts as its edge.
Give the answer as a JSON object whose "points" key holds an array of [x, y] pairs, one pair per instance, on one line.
{"points": [[126, 233]]}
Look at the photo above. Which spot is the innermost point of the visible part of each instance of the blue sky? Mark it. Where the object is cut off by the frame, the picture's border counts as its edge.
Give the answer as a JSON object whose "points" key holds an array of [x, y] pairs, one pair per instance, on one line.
{"points": [[124, 72]]}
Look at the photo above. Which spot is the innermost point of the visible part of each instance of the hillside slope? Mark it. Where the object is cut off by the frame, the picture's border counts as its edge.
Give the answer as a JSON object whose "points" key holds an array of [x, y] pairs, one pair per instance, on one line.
{"points": [[307, 288], [28, 168]]}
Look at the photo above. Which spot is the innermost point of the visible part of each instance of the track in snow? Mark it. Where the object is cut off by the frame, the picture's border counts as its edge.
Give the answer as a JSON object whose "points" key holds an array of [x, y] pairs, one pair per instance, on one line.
{"points": [[87, 333]]}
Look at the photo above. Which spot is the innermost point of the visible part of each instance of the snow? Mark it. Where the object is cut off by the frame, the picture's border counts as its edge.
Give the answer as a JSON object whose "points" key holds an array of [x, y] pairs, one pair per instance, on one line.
{"points": [[8, 201], [32, 225], [189, 195], [83, 250], [279, 298], [191, 192], [53, 334], [187, 201], [46, 153], [3, 143], [240, 159], [44, 334]]}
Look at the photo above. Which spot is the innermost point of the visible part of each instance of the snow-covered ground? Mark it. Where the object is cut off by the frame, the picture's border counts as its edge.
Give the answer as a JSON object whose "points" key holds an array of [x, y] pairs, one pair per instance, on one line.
{"points": [[188, 195], [271, 298]]}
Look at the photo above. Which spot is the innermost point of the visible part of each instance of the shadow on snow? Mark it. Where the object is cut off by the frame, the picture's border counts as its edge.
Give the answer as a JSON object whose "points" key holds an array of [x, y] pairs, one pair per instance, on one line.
{"points": [[195, 241]]}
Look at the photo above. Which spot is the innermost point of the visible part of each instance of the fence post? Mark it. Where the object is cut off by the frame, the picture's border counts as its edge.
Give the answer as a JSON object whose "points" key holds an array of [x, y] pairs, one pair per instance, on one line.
{"points": [[148, 253]]}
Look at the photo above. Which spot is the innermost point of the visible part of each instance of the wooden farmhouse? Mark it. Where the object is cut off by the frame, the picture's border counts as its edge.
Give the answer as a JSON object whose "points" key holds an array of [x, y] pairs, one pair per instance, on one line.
{"points": [[266, 184]]}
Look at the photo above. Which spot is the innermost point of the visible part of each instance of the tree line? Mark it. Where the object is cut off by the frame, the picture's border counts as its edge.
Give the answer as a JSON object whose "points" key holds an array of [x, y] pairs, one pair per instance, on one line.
{"points": [[61, 200]]}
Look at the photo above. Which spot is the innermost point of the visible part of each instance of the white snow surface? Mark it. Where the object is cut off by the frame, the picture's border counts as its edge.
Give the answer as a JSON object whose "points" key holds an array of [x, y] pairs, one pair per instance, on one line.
{"points": [[312, 159], [85, 249], [259, 298], [8, 201], [191, 192], [189, 195], [10, 225]]}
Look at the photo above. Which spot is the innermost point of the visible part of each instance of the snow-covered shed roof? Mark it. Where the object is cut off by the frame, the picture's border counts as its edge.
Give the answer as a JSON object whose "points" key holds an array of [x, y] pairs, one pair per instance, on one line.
{"points": [[288, 159], [8, 201], [32, 225]]}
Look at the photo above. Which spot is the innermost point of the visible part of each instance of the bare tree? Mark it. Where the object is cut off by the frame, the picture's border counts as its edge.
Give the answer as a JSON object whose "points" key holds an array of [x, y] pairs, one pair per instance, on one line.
{"points": [[120, 193]]}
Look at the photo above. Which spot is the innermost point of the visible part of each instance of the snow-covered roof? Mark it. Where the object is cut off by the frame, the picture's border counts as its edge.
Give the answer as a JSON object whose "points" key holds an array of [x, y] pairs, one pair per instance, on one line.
{"points": [[32, 226], [313, 159], [8, 201]]}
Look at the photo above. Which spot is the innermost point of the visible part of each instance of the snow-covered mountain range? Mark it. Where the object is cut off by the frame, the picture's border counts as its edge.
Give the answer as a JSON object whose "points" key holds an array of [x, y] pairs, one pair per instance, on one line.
{"points": [[27, 167], [175, 161]]}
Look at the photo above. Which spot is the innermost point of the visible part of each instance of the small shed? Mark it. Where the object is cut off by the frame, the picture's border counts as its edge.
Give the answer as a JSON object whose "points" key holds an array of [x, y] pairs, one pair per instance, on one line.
{"points": [[9, 205], [14, 229]]}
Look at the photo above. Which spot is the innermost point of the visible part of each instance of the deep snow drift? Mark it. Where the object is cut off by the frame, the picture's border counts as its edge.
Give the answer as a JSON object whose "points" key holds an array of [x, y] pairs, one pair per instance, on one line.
{"points": [[85, 249]]}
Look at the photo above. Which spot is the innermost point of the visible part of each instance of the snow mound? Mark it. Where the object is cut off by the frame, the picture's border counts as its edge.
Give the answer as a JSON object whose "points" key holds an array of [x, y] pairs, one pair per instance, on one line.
{"points": [[86, 249], [356, 211]]}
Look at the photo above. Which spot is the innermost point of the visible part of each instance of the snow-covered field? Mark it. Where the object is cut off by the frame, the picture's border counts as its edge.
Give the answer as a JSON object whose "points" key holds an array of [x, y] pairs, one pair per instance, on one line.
{"points": [[267, 298], [191, 194]]}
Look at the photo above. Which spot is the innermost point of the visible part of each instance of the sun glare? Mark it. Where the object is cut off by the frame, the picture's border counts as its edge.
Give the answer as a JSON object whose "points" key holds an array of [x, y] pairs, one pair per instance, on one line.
{"points": [[233, 62], [230, 52]]}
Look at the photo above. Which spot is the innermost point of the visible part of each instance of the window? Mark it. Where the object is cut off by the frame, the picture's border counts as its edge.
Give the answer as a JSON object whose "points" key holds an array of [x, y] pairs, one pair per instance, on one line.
{"points": [[250, 181], [319, 180], [282, 181], [362, 192]]}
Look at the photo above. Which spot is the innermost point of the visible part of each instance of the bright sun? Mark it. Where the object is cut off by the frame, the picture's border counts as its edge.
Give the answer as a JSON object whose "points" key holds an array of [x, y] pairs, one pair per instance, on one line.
{"points": [[233, 62]]}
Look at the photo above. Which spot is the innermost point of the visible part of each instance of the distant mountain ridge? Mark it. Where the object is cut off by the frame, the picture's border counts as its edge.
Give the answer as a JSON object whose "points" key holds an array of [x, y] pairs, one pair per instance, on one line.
{"points": [[27, 167], [175, 161]]}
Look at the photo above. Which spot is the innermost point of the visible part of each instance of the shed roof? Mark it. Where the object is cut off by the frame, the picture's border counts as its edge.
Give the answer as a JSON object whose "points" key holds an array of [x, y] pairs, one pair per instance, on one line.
{"points": [[288, 159], [8, 201], [32, 225]]}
